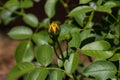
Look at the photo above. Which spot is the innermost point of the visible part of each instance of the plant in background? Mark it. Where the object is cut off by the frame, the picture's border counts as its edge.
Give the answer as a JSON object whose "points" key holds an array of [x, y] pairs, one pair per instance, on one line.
{"points": [[82, 33]]}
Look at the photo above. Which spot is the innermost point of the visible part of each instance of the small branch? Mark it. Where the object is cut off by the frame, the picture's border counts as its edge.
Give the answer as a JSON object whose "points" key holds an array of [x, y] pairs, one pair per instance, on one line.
{"points": [[22, 9], [114, 51], [67, 51], [60, 50], [89, 20], [56, 53], [16, 12], [114, 17], [74, 76], [65, 5], [52, 68], [55, 50]]}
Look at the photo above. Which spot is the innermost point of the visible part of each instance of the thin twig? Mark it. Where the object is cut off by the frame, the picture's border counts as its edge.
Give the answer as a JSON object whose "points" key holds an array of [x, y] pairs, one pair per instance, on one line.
{"points": [[74, 76], [16, 12], [65, 6], [56, 53], [60, 50], [114, 17], [67, 50]]}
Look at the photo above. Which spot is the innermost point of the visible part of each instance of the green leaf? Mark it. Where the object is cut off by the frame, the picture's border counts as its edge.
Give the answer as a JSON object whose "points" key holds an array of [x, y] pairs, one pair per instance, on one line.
{"points": [[98, 54], [85, 34], [37, 74], [27, 4], [19, 70], [80, 10], [67, 29], [71, 64], [80, 19], [97, 45], [43, 74], [12, 3], [45, 22], [115, 57], [24, 52], [76, 40], [84, 1], [104, 9], [98, 49], [6, 15], [20, 32], [112, 4], [108, 35], [56, 75], [99, 2], [101, 70], [50, 7], [31, 20], [89, 22], [44, 54], [60, 62], [41, 38], [37, 1]]}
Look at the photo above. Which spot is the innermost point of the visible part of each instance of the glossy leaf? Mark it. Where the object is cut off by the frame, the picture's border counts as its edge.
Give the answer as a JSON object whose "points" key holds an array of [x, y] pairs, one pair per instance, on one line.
{"points": [[84, 1], [45, 22], [43, 74], [71, 64], [85, 34], [116, 57], [98, 49], [67, 29], [80, 10], [112, 4], [60, 62], [76, 40], [99, 2], [37, 1], [44, 54], [6, 15], [50, 7], [104, 9], [31, 20], [56, 75], [80, 19], [37, 74], [41, 38], [97, 45], [24, 52], [20, 32], [89, 22], [98, 54], [101, 70], [12, 3], [26, 3], [108, 35], [20, 69]]}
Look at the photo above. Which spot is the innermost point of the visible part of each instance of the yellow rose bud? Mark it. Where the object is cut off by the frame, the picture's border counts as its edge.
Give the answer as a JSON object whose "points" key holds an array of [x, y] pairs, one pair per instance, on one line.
{"points": [[54, 29]]}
